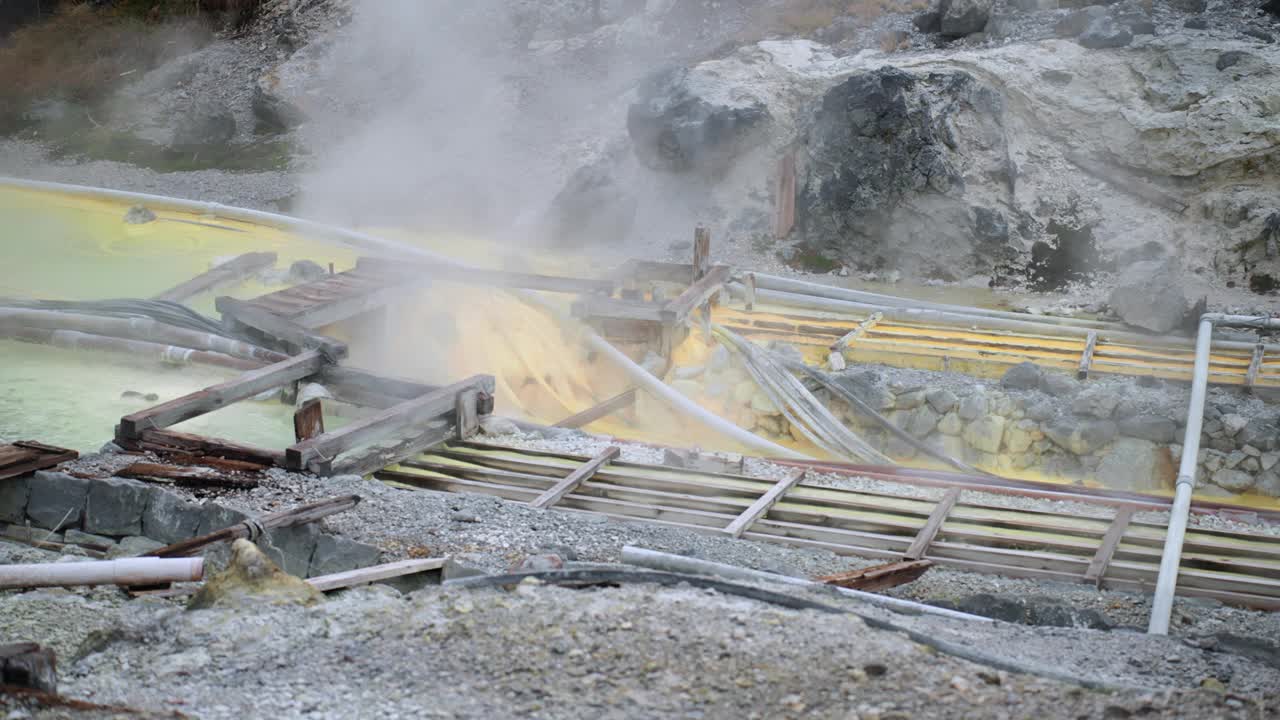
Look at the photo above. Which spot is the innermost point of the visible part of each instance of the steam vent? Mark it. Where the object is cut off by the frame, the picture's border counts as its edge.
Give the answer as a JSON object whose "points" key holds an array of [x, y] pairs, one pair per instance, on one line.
{"points": [[593, 359]]}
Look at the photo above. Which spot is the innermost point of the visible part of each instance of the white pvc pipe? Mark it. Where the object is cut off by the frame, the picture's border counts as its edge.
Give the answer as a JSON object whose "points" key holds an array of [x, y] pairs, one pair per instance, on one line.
{"points": [[1171, 558], [126, 571], [681, 564]]}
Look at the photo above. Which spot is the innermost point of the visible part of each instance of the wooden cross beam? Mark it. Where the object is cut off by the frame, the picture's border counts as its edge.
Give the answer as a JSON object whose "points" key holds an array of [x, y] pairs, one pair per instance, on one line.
{"points": [[920, 545], [1086, 358], [762, 505], [556, 492], [1107, 549]]}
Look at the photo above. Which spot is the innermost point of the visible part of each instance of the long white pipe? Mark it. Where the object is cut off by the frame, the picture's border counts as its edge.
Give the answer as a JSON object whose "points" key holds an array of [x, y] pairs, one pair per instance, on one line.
{"points": [[390, 247], [925, 315], [681, 564], [126, 571], [1171, 558]]}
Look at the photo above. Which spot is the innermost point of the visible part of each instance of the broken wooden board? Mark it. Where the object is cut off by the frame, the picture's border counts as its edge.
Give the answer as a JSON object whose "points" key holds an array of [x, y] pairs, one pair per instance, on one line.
{"points": [[185, 444], [27, 456], [308, 420], [618, 402], [278, 332], [485, 277], [229, 272], [187, 476], [879, 577], [570, 483], [337, 297]]}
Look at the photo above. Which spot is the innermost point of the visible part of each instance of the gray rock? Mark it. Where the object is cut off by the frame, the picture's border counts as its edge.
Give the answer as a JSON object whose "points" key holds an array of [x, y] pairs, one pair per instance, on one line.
{"points": [[964, 17], [494, 425], [1194, 7], [910, 400], [169, 518], [592, 204], [950, 424], [303, 271], [942, 401], [13, 499], [1059, 385], [335, 553], [1134, 464], [214, 517], [1023, 376], [1105, 32], [56, 500], [1099, 402], [1081, 437], [973, 406], [985, 434], [1233, 423], [922, 421], [836, 362], [868, 387], [1231, 58], [1018, 436], [1149, 427], [79, 537], [133, 546], [462, 565], [1041, 411], [204, 125], [1234, 480], [1149, 295], [680, 124], [1262, 433], [115, 507], [292, 548], [139, 215], [1268, 483]]}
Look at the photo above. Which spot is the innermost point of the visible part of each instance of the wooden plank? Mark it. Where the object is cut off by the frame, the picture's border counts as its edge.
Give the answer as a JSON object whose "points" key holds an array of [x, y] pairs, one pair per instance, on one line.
{"points": [[1255, 363], [364, 576], [375, 458], [863, 328], [380, 425], [1086, 358], [924, 538], [187, 476], [879, 577], [618, 402], [229, 272], [677, 311], [701, 252], [281, 333], [218, 396], [19, 458], [341, 379], [490, 278], [466, 418], [653, 271], [602, 307], [1107, 549], [308, 420], [761, 506], [750, 281], [169, 441], [570, 483]]}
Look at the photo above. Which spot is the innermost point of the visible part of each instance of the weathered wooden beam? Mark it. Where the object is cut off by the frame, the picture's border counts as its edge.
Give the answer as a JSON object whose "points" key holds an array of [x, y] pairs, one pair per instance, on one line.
{"points": [[1086, 357], [281, 333], [364, 576], [750, 283], [879, 577], [785, 200], [300, 515], [308, 420], [171, 441], [27, 456], [653, 271], [466, 415], [377, 457], [28, 665], [678, 310], [229, 272], [602, 307], [570, 483], [490, 278], [618, 402], [1255, 364], [701, 252], [186, 476], [863, 328], [360, 387], [1107, 548], [395, 419], [761, 506], [218, 396], [920, 545]]}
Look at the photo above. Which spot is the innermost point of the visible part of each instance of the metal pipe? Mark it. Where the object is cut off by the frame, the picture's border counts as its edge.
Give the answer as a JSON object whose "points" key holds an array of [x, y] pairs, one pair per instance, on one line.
{"points": [[682, 564], [775, 282], [914, 315], [126, 571], [1171, 557]]}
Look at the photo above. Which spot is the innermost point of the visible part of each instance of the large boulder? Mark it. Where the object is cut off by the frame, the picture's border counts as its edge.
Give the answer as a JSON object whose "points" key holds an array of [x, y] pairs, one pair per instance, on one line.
{"points": [[964, 17], [56, 500], [691, 120], [115, 507], [886, 158], [1150, 295], [592, 207]]}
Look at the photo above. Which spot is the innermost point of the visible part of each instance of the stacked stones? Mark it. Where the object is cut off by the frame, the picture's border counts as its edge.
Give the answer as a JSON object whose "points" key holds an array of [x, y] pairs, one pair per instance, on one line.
{"points": [[1033, 422], [132, 518]]}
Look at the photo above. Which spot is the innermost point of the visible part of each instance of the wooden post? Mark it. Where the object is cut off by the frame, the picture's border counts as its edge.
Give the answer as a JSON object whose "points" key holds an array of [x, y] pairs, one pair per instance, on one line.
{"points": [[468, 418], [1255, 364], [785, 202], [1086, 358], [556, 493], [761, 506], [618, 402], [924, 538], [701, 252], [308, 421], [1107, 549], [863, 328], [751, 291]]}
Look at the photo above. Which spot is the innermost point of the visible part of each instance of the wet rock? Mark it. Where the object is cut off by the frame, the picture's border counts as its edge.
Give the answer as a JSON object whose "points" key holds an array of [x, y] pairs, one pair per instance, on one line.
{"points": [[1134, 464], [291, 548], [686, 120], [1149, 427], [56, 500], [1234, 480], [13, 499], [1023, 376], [139, 215], [998, 607], [1262, 35], [1047, 612], [1189, 6], [985, 434], [133, 546], [334, 554], [114, 506], [1149, 295], [1081, 437], [252, 579], [964, 17], [928, 21], [1099, 402]]}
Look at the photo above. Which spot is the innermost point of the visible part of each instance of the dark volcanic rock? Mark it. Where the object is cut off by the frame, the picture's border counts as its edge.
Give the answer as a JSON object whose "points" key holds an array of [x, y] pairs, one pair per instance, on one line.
{"points": [[964, 17], [592, 205], [675, 127], [1229, 59]]}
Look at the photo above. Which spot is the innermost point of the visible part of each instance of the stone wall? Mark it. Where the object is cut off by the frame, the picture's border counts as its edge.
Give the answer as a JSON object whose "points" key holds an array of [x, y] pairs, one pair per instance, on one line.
{"points": [[1123, 432], [131, 518]]}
